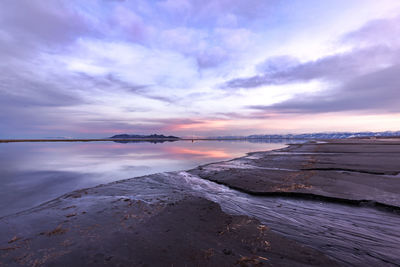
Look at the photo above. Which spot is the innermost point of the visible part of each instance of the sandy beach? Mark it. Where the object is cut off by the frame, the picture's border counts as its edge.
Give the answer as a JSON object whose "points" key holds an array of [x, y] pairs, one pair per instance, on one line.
{"points": [[171, 219]]}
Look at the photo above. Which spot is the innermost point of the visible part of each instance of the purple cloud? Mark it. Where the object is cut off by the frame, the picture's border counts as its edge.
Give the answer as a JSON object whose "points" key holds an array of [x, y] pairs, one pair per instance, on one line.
{"points": [[366, 78], [33, 22], [373, 92], [88, 67], [338, 68]]}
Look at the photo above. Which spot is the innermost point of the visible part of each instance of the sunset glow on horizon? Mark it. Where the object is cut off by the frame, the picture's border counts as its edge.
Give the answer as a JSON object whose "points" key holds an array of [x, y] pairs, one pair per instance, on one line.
{"points": [[198, 68]]}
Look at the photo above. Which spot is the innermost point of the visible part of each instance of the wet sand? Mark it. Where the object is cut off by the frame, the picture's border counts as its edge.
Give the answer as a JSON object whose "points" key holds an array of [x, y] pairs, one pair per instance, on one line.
{"points": [[105, 226], [353, 171], [115, 225]]}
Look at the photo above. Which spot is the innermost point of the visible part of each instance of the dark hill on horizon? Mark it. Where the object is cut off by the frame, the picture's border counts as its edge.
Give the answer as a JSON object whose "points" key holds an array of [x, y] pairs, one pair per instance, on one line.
{"points": [[140, 136]]}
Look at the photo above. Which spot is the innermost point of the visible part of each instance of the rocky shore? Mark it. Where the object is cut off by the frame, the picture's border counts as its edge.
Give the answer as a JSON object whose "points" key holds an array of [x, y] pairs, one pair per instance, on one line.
{"points": [[147, 221]]}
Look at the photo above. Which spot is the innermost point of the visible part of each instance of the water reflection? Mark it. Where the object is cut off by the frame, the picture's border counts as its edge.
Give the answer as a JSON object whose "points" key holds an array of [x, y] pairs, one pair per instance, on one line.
{"points": [[32, 173]]}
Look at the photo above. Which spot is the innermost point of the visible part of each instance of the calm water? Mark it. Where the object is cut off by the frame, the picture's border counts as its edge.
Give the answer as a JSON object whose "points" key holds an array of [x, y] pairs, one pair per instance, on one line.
{"points": [[32, 173]]}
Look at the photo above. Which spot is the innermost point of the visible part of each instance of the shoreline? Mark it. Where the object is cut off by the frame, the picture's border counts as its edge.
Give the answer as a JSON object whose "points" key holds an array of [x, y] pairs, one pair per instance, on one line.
{"points": [[349, 140], [106, 225], [309, 171], [140, 139], [310, 195], [88, 140], [132, 220]]}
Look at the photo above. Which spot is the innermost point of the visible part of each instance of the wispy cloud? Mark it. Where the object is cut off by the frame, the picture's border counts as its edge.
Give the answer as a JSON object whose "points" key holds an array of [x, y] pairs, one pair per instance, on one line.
{"points": [[373, 92], [99, 67], [336, 68], [365, 78]]}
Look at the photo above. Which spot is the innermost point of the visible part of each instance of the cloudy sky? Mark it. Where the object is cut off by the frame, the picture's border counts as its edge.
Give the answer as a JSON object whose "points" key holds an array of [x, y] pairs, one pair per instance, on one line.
{"points": [[198, 67]]}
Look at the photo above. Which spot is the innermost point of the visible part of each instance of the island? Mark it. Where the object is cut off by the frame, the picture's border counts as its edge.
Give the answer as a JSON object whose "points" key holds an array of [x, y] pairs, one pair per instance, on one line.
{"points": [[136, 138], [140, 136]]}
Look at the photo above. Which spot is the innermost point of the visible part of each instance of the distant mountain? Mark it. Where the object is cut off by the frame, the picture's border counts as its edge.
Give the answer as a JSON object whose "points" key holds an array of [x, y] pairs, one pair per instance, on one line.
{"points": [[333, 135], [140, 136]]}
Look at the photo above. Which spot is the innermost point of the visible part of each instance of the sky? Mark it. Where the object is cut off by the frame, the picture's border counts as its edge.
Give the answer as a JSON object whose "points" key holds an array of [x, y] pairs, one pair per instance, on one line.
{"points": [[96, 68]]}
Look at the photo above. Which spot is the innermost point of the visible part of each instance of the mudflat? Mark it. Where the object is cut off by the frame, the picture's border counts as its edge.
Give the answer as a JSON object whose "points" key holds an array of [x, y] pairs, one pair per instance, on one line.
{"points": [[107, 226], [351, 170]]}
